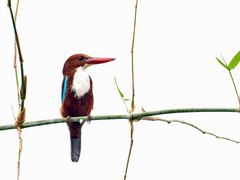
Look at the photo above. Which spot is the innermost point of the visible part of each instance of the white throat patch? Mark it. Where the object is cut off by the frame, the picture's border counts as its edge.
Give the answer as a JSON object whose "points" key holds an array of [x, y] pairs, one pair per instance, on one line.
{"points": [[81, 82]]}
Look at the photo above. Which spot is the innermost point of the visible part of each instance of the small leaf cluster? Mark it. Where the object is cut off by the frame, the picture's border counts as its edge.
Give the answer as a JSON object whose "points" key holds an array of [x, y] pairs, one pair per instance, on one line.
{"points": [[233, 63]]}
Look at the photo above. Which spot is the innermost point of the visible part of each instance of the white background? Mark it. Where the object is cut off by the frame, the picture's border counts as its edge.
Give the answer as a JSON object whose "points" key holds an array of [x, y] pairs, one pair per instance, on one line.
{"points": [[175, 67]]}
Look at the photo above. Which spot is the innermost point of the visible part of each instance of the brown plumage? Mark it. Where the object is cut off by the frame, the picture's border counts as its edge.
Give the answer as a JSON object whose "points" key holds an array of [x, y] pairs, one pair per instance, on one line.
{"points": [[77, 101], [74, 106]]}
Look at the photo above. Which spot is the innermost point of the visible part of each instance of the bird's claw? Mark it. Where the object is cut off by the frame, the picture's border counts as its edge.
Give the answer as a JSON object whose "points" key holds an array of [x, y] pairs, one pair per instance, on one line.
{"points": [[89, 118], [68, 119]]}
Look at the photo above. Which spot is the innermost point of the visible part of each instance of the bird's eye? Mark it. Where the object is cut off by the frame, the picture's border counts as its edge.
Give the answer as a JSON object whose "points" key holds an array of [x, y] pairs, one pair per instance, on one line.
{"points": [[82, 58]]}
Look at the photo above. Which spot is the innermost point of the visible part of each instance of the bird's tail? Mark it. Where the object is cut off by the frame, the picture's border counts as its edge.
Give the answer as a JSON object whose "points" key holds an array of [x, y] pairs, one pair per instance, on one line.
{"points": [[75, 148], [75, 136]]}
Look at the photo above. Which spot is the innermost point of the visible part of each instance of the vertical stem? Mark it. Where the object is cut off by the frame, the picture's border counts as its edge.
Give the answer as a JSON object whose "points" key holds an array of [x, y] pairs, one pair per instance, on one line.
{"points": [[133, 92], [16, 75], [130, 149], [20, 56], [15, 59], [19, 152], [19, 99], [21, 95], [234, 85], [23, 87], [235, 88], [132, 54]]}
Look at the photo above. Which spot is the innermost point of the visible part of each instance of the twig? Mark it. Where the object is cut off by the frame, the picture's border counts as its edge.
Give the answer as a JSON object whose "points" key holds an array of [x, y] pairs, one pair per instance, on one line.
{"points": [[191, 125], [233, 82], [235, 88], [19, 152], [15, 58], [130, 148], [135, 116], [22, 94], [133, 93], [23, 77], [132, 55]]}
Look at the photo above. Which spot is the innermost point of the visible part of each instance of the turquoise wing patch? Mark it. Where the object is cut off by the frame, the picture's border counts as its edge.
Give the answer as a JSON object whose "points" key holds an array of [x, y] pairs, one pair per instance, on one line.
{"points": [[64, 88]]}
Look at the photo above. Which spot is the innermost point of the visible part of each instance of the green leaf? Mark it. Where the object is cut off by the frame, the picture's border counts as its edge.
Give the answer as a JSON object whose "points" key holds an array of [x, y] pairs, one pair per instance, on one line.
{"points": [[223, 64], [119, 91], [235, 60]]}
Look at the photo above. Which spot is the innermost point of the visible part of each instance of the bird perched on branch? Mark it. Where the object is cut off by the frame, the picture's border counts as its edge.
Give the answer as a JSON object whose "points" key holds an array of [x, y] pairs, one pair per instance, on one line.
{"points": [[77, 95]]}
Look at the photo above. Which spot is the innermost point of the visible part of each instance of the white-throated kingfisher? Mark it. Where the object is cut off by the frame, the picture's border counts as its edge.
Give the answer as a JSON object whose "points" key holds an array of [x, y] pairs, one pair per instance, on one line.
{"points": [[77, 95]]}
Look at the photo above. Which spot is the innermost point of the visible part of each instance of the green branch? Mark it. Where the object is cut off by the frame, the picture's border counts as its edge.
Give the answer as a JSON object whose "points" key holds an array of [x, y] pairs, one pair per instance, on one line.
{"points": [[235, 88], [132, 55], [191, 125], [135, 116], [133, 93], [23, 77], [229, 67]]}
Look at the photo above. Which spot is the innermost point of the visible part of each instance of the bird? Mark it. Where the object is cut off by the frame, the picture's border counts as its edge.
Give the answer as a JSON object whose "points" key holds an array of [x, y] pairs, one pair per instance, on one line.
{"points": [[77, 95]]}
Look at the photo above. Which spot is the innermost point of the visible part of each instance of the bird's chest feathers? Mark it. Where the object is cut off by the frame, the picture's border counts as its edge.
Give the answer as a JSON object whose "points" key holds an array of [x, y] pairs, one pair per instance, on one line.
{"points": [[81, 82]]}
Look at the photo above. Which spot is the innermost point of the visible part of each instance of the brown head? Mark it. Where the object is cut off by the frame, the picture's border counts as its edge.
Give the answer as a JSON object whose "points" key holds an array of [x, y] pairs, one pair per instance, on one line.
{"points": [[83, 60]]}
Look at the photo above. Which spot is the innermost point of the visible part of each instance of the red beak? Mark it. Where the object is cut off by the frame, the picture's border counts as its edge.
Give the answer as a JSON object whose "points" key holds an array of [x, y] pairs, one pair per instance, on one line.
{"points": [[98, 60]]}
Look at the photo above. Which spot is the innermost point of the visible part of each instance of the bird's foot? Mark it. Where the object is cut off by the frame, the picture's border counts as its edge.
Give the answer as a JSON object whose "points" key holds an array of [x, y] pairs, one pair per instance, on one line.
{"points": [[89, 118], [68, 119], [81, 121]]}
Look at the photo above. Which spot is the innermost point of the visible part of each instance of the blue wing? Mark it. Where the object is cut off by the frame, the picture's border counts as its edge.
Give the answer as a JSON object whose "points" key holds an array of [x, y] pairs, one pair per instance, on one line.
{"points": [[64, 88]]}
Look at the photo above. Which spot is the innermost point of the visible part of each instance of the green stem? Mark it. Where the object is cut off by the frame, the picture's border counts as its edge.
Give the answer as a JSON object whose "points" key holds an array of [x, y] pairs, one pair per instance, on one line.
{"points": [[130, 150], [235, 88], [193, 126], [20, 103], [133, 93], [15, 59], [20, 55], [136, 116], [132, 55], [232, 79], [17, 83]]}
